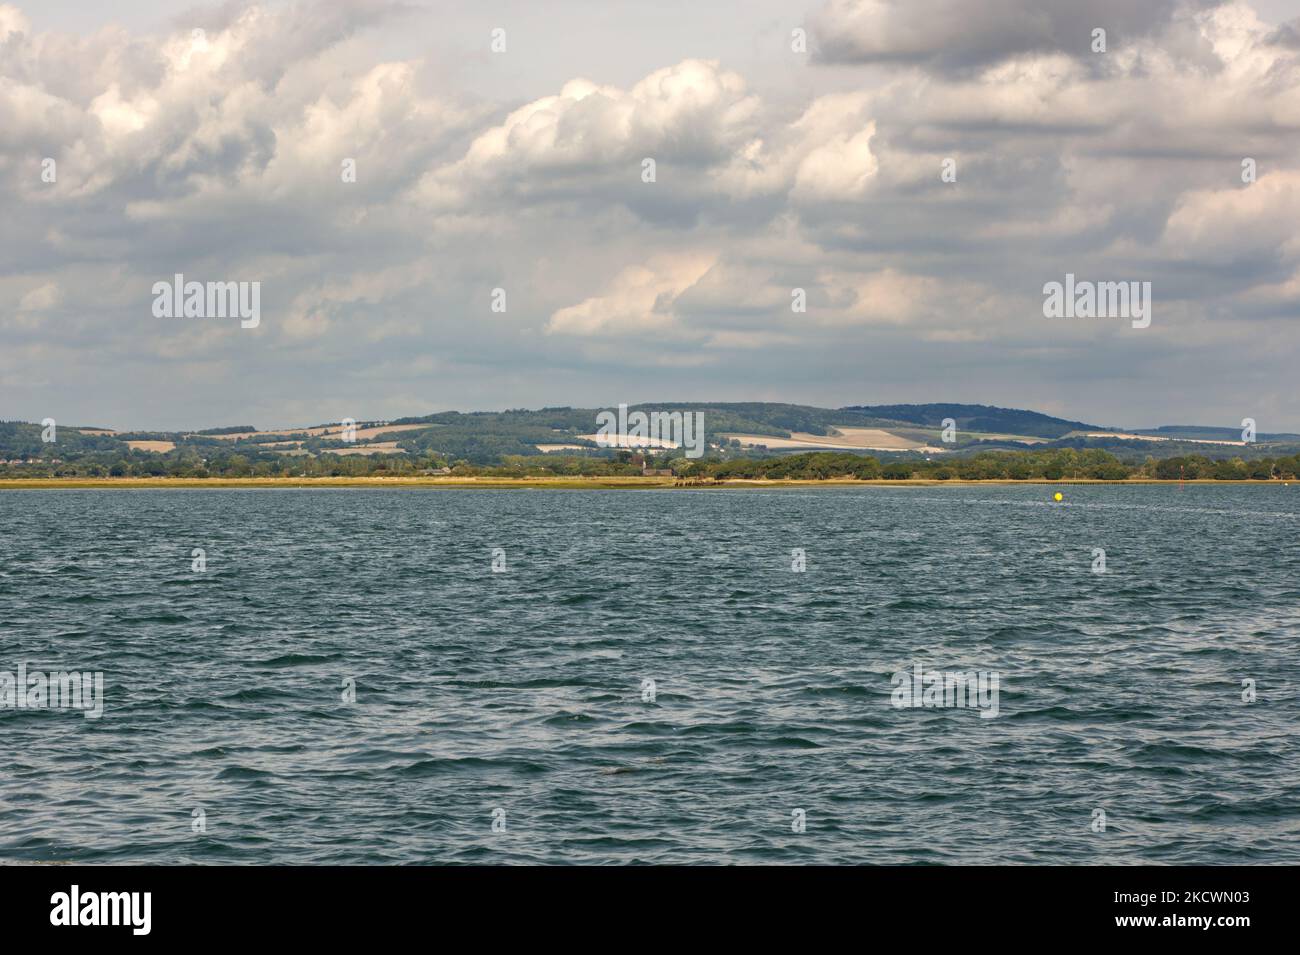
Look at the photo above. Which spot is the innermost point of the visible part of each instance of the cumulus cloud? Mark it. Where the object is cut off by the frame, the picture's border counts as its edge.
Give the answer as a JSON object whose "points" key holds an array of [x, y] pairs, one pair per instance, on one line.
{"points": [[1255, 220], [221, 153], [639, 301], [588, 136]]}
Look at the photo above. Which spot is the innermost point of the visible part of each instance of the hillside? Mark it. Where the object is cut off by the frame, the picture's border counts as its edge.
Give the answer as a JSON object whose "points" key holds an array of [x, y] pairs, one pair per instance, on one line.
{"points": [[1194, 432], [564, 439], [985, 419]]}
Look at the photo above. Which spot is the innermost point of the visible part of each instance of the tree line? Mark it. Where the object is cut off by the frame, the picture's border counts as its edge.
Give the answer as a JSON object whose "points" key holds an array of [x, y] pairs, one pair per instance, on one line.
{"points": [[1051, 464]]}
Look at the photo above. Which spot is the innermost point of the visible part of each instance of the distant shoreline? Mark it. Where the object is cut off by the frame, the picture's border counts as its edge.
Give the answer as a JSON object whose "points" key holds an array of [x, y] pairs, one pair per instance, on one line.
{"points": [[573, 483]]}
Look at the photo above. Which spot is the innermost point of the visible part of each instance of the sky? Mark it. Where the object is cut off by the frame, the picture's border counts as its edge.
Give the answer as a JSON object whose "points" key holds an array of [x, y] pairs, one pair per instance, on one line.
{"points": [[799, 152]]}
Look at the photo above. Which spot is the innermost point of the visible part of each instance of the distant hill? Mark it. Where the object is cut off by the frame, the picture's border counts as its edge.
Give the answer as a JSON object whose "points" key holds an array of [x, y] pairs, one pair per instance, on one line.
{"points": [[984, 418], [1196, 432], [731, 430]]}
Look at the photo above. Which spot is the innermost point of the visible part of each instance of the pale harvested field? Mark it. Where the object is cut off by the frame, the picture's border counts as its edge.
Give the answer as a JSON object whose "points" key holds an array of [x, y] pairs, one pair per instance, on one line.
{"points": [[162, 447], [877, 439], [1155, 437], [379, 447], [249, 434], [624, 441], [365, 434], [332, 430], [856, 439], [994, 436]]}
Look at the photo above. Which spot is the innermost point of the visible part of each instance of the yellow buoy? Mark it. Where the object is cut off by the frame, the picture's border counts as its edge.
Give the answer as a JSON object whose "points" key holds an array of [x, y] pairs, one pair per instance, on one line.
{"points": [[1058, 496]]}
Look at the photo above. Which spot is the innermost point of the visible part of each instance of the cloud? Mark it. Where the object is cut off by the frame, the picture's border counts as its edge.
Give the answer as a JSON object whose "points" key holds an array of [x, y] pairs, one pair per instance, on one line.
{"points": [[959, 35], [33, 308], [1249, 219], [639, 301], [220, 155], [592, 139], [41, 298]]}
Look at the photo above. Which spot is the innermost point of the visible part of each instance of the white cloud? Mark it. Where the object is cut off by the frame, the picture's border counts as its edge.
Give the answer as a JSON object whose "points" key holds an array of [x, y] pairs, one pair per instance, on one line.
{"points": [[639, 301], [220, 157], [41, 298], [1225, 225], [690, 114]]}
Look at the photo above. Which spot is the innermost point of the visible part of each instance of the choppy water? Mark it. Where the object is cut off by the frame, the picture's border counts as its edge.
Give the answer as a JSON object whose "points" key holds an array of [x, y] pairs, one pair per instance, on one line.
{"points": [[522, 691]]}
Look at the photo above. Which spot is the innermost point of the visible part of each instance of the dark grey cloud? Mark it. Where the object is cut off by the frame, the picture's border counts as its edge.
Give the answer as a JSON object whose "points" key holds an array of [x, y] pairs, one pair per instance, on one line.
{"points": [[1287, 35], [961, 35]]}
